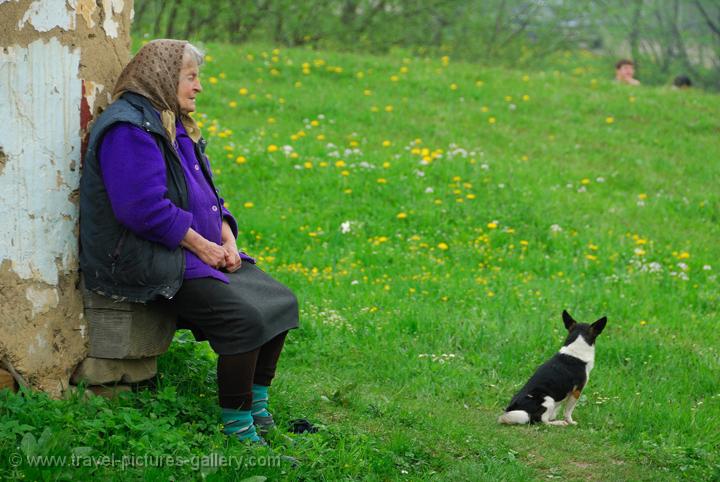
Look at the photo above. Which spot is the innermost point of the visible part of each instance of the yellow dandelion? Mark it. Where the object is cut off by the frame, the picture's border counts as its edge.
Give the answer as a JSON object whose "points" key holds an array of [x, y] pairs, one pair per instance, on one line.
{"points": [[388, 108], [320, 137], [585, 181], [213, 80], [272, 148], [386, 143], [394, 78], [367, 92], [492, 120], [453, 86], [401, 215], [243, 91], [443, 246], [249, 204], [381, 180], [642, 196], [386, 165], [492, 225], [525, 97], [232, 104], [345, 173], [308, 165], [241, 159], [609, 119], [591, 257]]}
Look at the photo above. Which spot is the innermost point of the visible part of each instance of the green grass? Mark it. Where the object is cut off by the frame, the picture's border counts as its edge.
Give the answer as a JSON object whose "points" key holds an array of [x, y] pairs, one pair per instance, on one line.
{"points": [[417, 329]]}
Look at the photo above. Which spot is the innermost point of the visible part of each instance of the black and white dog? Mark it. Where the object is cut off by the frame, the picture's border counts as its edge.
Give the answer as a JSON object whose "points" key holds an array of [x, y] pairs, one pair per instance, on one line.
{"points": [[562, 378]]}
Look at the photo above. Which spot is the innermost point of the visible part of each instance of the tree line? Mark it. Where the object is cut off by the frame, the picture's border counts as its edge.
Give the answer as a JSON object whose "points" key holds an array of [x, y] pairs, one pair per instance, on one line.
{"points": [[663, 37]]}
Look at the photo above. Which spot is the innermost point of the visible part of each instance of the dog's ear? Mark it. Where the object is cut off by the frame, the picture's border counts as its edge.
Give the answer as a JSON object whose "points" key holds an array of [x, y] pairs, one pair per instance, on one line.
{"points": [[568, 320], [599, 325]]}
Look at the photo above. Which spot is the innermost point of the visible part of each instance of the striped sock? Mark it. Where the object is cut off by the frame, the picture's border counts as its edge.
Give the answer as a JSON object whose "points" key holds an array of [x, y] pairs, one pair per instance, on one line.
{"points": [[260, 401], [239, 423]]}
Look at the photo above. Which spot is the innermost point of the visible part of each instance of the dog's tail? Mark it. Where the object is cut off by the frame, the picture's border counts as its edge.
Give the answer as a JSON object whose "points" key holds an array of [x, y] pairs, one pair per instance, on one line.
{"points": [[514, 417]]}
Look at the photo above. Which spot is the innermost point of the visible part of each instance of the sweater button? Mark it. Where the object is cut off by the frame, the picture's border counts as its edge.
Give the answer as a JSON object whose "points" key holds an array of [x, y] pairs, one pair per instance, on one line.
{"points": [[214, 208], [197, 167]]}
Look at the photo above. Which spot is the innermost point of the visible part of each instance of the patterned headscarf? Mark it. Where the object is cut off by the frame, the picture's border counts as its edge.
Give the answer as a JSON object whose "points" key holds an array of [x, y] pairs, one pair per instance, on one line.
{"points": [[154, 73]]}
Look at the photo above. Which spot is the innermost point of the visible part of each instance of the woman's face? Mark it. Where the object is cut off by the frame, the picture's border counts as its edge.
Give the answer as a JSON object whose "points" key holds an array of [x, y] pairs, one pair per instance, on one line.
{"points": [[188, 86]]}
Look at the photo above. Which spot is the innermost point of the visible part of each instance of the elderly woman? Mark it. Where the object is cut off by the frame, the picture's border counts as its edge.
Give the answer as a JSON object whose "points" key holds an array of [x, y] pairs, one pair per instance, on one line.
{"points": [[153, 227]]}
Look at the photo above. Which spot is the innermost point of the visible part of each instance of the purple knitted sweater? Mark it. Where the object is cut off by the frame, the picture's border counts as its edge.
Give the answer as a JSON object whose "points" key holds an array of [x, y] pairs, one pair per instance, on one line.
{"points": [[133, 171]]}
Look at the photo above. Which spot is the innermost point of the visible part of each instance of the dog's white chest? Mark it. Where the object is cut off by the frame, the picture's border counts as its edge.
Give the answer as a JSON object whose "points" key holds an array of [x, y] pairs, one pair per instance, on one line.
{"points": [[580, 349]]}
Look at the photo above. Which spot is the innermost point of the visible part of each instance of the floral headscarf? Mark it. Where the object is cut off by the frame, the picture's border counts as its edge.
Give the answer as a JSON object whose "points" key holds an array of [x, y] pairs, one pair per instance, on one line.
{"points": [[154, 73]]}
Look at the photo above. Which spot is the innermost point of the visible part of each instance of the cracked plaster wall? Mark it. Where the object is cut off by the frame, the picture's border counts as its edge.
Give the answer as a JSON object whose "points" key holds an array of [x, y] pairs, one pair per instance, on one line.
{"points": [[58, 62]]}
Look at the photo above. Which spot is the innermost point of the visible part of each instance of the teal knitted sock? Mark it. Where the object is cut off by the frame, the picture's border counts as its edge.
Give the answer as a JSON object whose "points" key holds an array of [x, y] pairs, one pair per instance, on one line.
{"points": [[260, 401], [239, 423]]}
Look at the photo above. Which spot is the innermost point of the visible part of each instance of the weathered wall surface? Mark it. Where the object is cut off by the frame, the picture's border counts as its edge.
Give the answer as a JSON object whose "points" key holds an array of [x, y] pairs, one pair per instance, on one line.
{"points": [[58, 62]]}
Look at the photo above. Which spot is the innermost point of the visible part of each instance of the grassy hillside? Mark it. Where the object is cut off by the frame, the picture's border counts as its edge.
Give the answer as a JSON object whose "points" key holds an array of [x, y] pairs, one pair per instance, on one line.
{"points": [[435, 219]]}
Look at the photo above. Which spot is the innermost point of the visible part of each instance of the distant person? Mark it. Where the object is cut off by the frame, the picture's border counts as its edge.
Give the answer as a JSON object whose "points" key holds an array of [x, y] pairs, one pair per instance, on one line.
{"points": [[625, 72], [682, 82]]}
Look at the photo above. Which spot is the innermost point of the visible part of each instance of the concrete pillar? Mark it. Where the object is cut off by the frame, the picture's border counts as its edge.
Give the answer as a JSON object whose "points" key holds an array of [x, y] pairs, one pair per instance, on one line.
{"points": [[59, 59]]}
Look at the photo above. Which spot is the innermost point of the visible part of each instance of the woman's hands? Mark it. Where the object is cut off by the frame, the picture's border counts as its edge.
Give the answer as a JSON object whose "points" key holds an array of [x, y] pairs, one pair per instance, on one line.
{"points": [[210, 253], [213, 254], [232, 257]]}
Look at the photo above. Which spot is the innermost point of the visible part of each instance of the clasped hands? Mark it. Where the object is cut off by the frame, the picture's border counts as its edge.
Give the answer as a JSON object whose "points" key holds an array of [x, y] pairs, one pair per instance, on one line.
{"points": [[218, 256]]}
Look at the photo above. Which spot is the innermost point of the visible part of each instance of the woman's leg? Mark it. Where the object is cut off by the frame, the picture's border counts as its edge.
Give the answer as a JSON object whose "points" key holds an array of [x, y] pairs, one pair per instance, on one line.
{"points": [[235, 378], [235, 375], [264, 374], [267, 360]]}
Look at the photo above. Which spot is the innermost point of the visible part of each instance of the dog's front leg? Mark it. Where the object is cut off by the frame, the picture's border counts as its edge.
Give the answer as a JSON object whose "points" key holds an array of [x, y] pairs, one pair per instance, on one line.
{"points": [[570, 406], [551, 407]]}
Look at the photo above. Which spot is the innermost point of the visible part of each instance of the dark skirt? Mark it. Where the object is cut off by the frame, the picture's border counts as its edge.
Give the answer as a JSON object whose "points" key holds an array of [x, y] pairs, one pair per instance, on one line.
{"points": [[236, 317]]}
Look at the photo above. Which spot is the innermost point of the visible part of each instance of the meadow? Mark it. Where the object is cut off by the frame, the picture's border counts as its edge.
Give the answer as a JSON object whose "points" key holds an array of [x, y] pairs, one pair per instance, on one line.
{"points": [[434, 219]]}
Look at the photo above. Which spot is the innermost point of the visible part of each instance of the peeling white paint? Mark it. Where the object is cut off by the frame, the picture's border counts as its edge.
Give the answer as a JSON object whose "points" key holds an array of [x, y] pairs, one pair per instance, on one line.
{"points": [[42, 299], [91, 91], [110, 25], [40, 101], [45, 15], [83, 328], [3, 1], [39, 343], [85, 9]]}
